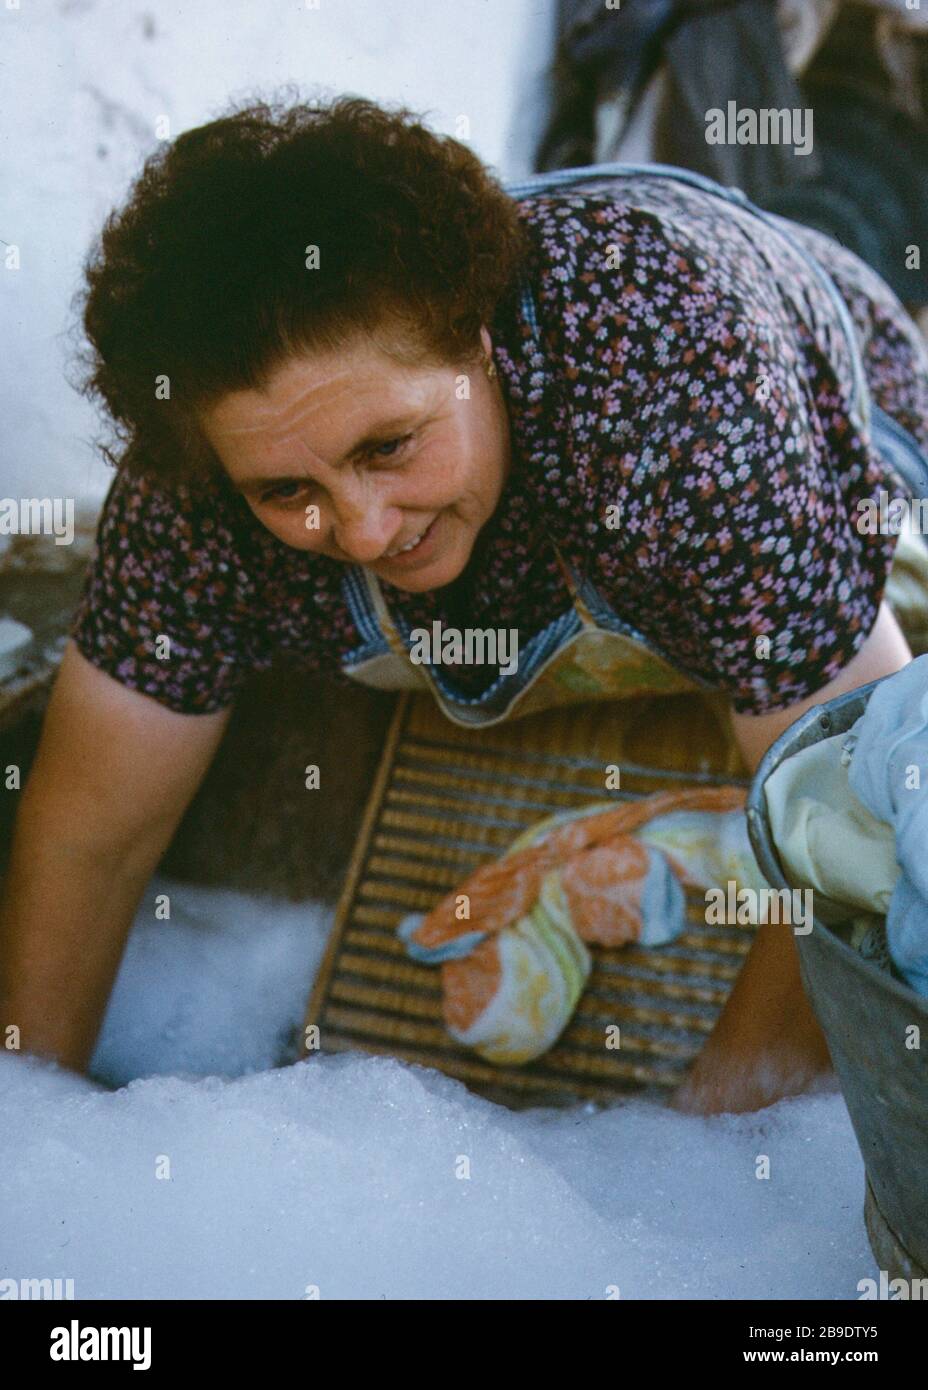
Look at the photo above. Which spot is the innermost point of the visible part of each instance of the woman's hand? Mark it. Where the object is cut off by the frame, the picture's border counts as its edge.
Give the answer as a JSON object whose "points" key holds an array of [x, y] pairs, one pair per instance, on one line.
{"points": [[767, 1042]]}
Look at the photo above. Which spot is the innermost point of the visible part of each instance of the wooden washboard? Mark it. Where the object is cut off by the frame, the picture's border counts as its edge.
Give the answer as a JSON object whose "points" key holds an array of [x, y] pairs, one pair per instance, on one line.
{"points": [[447, 798]]}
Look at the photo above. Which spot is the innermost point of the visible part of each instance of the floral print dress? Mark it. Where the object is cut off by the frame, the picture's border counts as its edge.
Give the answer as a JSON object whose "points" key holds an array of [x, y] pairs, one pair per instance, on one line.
{"points": [[689, 371]]}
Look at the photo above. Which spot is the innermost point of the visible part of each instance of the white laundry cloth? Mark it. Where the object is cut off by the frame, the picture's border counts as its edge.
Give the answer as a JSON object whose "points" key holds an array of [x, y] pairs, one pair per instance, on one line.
{"points": [[826, 839]]}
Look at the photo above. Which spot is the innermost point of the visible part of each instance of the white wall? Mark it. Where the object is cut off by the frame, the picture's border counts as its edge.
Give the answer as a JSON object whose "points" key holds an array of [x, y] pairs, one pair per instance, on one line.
{"points": [[82, 84]]}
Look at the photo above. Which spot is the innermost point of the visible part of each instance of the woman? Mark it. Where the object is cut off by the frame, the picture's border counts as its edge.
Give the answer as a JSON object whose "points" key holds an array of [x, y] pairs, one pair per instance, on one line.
{"points": [[360, 389]]}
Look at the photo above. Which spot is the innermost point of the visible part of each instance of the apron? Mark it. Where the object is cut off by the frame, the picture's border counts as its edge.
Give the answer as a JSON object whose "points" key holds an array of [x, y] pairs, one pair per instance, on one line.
{"points": [[587, 652]]}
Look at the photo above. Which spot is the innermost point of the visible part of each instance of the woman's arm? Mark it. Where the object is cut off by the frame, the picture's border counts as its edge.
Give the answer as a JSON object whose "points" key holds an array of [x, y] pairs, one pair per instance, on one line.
{"points": [[112, 776], [884, 652], [767, 1042]]}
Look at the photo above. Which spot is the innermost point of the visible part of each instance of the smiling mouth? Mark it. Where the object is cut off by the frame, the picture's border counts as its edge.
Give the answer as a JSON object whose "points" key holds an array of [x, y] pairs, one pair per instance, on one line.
{"points": [[412, 544]]}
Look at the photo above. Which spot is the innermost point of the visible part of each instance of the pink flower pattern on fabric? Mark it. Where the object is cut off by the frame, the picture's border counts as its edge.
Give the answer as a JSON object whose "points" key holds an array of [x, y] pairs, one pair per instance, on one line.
{"points": [[702, 384]]}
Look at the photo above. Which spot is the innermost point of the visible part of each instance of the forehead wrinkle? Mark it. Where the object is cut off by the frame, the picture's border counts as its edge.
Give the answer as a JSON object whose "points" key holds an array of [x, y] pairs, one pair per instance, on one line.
{"points": [[288, 455], [277, 420], [267, 416]]}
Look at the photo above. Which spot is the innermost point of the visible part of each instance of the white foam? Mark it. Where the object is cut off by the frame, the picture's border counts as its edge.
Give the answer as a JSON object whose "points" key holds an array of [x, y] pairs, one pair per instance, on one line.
{"points": [[343, 1171]]}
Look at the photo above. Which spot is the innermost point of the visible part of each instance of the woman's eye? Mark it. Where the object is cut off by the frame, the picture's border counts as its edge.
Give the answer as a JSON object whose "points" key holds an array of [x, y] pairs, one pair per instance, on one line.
{"points": [[284, 492], [392, 446], [295, 491]]}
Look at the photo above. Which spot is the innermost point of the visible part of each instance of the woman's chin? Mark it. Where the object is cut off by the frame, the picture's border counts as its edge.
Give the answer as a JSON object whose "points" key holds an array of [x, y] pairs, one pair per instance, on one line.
{"points": [[442, 571]]}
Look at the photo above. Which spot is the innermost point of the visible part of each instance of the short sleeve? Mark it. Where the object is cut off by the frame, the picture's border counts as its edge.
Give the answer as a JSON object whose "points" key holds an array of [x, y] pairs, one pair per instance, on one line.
{"points": [[710, 479], [157, 611], [742, 506]]}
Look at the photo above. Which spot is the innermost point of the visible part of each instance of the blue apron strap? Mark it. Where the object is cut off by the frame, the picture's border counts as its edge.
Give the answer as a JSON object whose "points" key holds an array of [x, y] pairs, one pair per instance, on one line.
{"points": [[383, 616], [573, 585]]}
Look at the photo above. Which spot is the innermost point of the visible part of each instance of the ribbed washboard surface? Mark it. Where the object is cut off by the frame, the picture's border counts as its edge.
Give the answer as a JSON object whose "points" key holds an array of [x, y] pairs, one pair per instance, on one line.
{"points": [[445, 799]]}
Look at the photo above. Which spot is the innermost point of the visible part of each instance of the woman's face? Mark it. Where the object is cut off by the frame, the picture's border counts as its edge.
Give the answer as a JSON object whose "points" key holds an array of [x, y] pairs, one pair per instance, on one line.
{"points": [[385, 452]]}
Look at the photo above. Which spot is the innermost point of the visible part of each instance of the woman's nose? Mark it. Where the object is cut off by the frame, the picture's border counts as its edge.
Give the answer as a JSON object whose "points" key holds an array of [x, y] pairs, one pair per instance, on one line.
{"points": [[365, 529]]}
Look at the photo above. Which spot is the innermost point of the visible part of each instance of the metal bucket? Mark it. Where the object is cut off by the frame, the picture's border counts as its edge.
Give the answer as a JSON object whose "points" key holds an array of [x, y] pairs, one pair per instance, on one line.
{"points": [[864, 1012]]}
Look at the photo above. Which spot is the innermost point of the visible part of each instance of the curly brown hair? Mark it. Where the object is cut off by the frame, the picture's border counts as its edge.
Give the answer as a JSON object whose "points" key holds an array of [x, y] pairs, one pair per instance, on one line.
{"points": [[201, 277]]}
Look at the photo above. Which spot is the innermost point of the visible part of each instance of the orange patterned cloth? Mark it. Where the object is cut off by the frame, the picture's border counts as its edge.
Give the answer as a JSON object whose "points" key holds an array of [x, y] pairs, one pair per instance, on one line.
{"points": [[511, 940]]}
